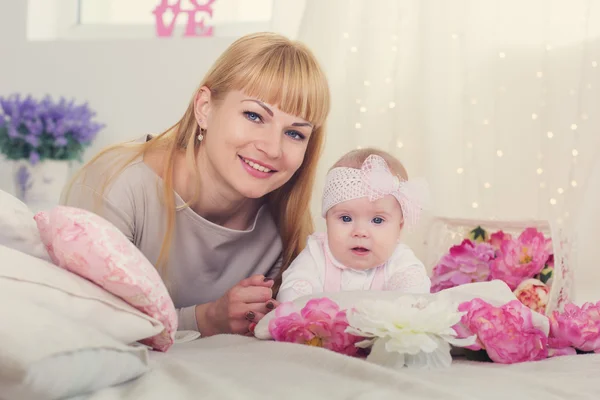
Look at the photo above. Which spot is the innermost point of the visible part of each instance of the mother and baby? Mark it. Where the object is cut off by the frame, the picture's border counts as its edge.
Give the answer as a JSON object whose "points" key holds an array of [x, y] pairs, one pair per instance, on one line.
{"points": [[219, 202]]}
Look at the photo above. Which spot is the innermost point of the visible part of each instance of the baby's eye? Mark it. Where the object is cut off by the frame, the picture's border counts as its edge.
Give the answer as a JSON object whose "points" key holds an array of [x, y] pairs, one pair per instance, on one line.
{"points": [[378, 220], [346, 218]]}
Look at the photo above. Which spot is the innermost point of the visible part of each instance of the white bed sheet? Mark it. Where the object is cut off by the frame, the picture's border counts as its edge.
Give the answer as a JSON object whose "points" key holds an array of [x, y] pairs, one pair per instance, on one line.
{"points": [[234, 367]]}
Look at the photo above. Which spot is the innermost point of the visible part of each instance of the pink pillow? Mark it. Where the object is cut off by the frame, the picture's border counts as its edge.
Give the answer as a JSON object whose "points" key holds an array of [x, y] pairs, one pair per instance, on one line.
{"points": [[89, 246]]}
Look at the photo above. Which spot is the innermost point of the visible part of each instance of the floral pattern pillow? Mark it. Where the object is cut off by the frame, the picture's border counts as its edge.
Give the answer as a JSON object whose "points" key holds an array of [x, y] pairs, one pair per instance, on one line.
{"points": [[89, 246]]}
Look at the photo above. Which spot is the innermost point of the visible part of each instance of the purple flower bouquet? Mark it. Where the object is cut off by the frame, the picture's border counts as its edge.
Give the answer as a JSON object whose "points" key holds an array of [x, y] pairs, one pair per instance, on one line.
{"points": [[45, 130]]}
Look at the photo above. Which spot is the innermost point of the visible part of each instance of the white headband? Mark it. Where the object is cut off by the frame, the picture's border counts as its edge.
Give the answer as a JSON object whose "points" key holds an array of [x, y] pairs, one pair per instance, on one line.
{"points": [[374, 180]]}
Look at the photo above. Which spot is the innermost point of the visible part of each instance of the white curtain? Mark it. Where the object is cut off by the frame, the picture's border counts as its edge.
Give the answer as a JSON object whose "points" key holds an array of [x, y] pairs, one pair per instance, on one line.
{"points": [[495, 102]]}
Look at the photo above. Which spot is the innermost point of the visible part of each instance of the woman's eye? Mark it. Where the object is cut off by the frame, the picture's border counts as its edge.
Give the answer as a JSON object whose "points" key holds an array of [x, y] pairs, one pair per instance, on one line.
{"points": [[252, 116], [346, 218], [295, 135], [378, 220]]}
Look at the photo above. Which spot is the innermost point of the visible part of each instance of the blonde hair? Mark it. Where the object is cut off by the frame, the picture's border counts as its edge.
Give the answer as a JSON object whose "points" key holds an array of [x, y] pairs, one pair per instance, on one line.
{"points": [[355, 159], [277, 71]]}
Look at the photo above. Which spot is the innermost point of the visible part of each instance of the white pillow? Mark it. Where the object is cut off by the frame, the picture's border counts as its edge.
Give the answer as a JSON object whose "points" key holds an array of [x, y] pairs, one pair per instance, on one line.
{"points": [[495, 292], [18, 230], [62, 292], [45, 355]]}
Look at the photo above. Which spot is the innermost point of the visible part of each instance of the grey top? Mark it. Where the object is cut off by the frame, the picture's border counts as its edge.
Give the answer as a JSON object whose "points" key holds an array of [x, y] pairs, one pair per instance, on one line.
{"points": [[205, 259]]}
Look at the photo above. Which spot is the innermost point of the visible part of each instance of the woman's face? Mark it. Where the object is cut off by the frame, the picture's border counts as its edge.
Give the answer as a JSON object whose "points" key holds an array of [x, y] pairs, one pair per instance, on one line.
{"points": [[253, 147]]}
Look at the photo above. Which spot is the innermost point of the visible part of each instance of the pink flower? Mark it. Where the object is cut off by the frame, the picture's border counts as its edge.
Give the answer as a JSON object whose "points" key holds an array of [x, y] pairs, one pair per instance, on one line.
{"points": [[521, 258], [320, 323], [506, 333], [465, 263], [497, 238], [534, 294], [577, 327]]}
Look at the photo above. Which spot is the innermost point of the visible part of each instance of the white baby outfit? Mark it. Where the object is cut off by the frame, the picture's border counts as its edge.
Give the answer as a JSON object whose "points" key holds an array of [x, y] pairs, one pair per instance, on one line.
{"points": [[315, 270]]}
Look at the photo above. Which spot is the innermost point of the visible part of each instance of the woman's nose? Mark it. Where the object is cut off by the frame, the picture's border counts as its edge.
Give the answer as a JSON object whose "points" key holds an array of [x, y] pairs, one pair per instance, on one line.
{"points": [[270, 144]]}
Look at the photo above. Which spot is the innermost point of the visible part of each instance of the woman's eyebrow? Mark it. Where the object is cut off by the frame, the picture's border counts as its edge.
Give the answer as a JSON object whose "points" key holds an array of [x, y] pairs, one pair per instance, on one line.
{"points": [[263, 105], [270, 112]]}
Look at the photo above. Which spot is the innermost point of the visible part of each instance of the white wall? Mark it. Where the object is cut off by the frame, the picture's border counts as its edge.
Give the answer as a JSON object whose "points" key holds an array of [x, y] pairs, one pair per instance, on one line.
{"points": [[143, 86], [136, 86]]}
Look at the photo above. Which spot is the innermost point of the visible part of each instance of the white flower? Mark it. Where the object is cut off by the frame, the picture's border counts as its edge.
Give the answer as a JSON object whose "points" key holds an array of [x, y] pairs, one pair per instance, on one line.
{"points": [[409, 330]]}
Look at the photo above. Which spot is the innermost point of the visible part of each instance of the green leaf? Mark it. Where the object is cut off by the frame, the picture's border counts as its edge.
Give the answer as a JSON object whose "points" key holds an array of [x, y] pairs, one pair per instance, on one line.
{"points": [[478, 234]]}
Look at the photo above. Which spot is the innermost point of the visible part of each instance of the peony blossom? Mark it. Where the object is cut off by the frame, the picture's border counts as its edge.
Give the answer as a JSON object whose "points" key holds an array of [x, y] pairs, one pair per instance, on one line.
{"points": [[506, 333], [534, 294], [407, 329], [521, 258], [320, 323], [497, 238], [465, 263], [576, 327]]}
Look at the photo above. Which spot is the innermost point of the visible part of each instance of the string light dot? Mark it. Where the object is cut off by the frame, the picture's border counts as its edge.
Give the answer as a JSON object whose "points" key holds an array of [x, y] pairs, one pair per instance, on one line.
{"points": [[358, 101], [487, 185], [358, 147], [540, 74], [560, 190], [367, 83], [399, 144], [589, 86], [594, 64], [363, 109], [559, 221], [474, 205], [499, 153], [534, 116], [540, 171], [575, 153], [572, 92], [358, 125], [473, 101], [553, 201], [469, 145], [486, 122], [584, 116], [574, 183], [394, 48], [542, 185], [392, 104], [459, 171], [346, 35], [573, 127], [353, 49], [550, 135], [394, 37], [388, 80], [502, 55], [548, 47], [454, 36]]}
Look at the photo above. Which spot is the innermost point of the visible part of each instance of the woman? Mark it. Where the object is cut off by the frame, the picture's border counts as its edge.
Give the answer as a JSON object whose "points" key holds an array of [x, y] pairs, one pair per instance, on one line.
{"points": [[219, 203]]}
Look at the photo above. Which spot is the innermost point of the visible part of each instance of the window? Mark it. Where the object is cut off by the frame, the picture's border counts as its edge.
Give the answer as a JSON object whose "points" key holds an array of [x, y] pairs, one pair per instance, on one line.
{"points": [[139, 19]]}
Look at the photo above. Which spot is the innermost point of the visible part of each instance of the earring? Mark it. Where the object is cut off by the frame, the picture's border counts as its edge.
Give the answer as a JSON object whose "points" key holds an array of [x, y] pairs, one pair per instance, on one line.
{"points": [[201, 134]]}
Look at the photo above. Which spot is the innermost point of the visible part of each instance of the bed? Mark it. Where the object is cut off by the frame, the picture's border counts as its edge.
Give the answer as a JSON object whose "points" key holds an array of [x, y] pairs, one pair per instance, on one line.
{"points": [[62, 335], [236, 367]]}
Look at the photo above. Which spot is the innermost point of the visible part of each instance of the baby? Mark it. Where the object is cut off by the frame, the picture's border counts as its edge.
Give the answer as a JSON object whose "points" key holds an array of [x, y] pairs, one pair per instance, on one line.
{"points": [[366, 202]]}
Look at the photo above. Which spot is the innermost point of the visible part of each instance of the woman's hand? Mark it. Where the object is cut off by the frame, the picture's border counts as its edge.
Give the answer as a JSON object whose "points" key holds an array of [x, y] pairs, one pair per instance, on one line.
{"points": [[242, 306]]}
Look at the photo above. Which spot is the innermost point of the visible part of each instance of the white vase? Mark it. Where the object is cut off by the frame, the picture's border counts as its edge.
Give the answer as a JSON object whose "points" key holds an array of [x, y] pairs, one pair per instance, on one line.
{"points": [[40, 185]]}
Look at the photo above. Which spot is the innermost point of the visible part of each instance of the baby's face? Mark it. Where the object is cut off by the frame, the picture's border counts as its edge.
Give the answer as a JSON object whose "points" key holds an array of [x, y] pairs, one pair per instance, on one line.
{"points": [[363, 234]]}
